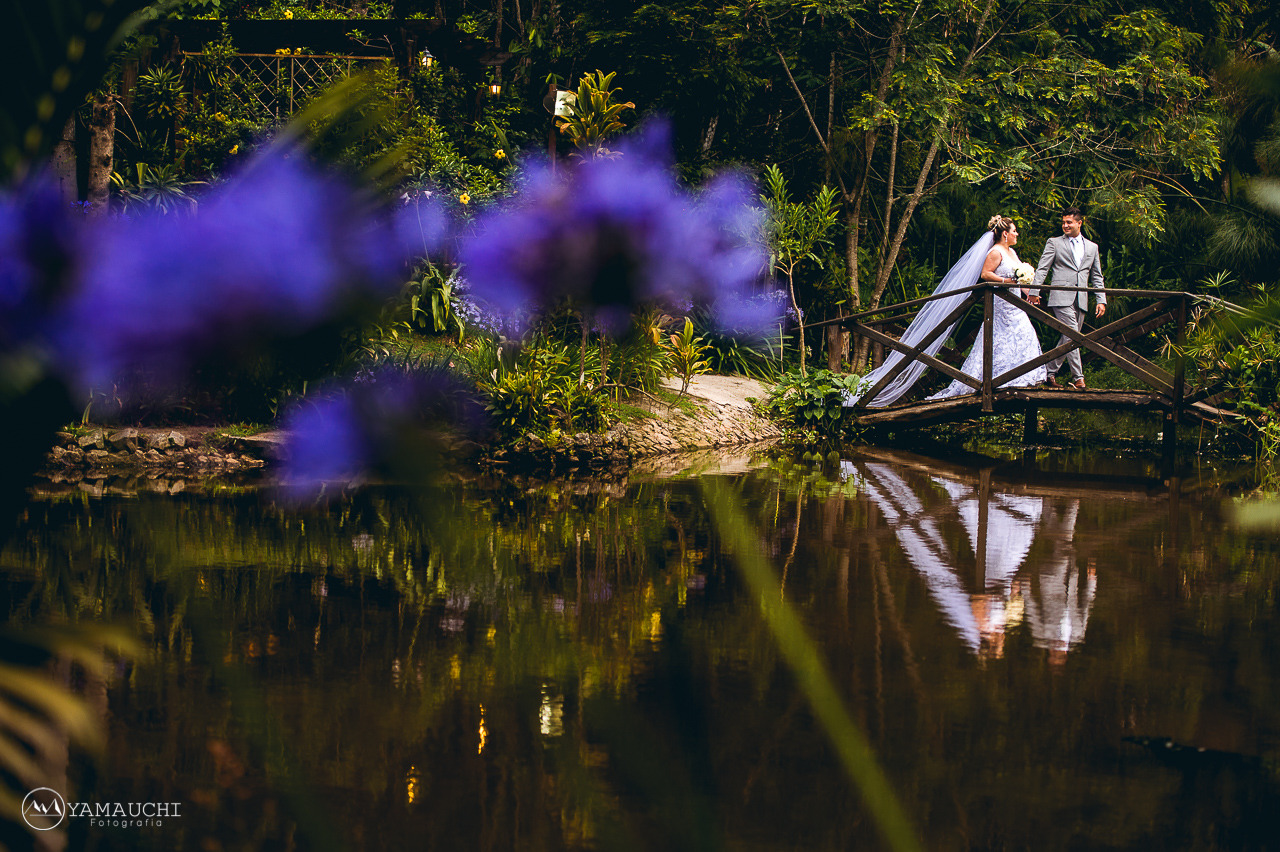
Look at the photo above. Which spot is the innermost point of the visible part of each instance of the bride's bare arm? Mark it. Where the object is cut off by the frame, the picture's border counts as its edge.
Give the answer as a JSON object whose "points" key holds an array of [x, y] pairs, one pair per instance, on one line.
{"points": [[989, 268]]}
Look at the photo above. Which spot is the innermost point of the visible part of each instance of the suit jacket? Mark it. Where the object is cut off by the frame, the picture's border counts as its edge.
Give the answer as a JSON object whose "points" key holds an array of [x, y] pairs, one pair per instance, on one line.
{"points": [[1059, 259]]}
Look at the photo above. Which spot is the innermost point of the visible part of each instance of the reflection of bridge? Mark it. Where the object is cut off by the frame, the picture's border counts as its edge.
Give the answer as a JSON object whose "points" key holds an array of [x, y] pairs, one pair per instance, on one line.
{"points": [[1166, 390], [1025, 557]]}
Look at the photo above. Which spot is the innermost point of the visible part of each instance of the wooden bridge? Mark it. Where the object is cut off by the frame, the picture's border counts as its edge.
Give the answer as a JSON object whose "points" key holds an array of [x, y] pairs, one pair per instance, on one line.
{"points": [[1163, 389]]}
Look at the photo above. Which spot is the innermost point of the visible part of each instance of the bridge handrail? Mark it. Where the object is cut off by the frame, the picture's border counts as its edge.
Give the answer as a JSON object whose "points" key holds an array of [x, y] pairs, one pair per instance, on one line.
{"points": [[984, 285]]}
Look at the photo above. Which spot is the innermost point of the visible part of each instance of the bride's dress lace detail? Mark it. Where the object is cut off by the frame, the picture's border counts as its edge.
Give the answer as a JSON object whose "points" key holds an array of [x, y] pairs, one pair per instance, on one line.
{"points": [[1013, 342]]}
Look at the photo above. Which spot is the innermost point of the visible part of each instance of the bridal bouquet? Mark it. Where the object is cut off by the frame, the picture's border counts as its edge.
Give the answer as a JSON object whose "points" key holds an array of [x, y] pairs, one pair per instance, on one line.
{"points": [[1024, 274]]}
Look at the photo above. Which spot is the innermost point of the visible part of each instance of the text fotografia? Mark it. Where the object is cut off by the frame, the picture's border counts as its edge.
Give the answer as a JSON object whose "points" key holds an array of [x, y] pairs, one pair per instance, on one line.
{"points": [[44, 809]]}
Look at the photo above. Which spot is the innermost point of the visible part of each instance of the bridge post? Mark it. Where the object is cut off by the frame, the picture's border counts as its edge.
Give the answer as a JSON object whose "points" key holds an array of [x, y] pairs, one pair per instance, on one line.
{"points": [[1030, 424], [988, 319], [1171, 420]]}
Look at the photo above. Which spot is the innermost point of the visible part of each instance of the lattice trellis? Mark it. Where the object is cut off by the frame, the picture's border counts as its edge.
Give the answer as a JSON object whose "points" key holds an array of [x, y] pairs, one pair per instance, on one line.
{"points": [[276, 86]]}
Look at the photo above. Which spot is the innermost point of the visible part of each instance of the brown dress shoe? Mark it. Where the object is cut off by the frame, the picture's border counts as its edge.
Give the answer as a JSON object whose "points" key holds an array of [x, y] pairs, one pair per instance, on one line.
{"points": [[1079, 384], [1052, 382]]}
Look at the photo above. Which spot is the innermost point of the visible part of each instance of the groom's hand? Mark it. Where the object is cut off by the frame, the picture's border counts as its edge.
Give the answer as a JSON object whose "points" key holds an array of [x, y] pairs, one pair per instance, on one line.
{"points": [[1099, 310]]}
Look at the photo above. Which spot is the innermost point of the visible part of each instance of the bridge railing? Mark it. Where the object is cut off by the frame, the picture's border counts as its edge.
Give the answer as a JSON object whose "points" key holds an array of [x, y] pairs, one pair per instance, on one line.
{"points": [[1109, 341]]}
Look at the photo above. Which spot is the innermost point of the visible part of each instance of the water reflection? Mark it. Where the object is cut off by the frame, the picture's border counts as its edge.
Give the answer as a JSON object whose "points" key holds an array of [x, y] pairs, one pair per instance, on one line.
{"points": [[575, 668], [929, 511]]}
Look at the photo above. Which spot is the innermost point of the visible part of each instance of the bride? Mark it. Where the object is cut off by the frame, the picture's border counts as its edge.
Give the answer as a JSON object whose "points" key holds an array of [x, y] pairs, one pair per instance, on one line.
{"points": [[1014, 340]]}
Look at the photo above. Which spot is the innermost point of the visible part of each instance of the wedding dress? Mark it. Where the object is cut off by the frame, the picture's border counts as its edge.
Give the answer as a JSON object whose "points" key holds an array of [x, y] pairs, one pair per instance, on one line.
{"points": [[1013, 342], [964, 274]]}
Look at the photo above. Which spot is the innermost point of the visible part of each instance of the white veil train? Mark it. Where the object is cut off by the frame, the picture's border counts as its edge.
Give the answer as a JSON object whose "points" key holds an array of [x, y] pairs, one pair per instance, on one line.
{"points": [[964, 274]]}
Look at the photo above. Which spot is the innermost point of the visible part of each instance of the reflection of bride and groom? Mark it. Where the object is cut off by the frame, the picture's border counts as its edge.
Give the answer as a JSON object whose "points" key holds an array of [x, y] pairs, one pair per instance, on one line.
{"points": [[1053, 596], [1072, 260]]}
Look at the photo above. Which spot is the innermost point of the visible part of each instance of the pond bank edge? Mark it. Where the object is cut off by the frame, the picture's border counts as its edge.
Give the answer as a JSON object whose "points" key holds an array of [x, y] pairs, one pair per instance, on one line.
{"points": [[705, 424]]}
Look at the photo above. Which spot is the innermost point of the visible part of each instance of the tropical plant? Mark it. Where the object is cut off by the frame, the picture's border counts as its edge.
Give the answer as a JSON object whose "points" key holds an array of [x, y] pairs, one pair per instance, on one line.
{"points": [[539, 393], [431, 300], [813, 402], [637, 360], [160, 95], [595, 116], [751, 355], [795, 231], [687, 354], [157, 187]]}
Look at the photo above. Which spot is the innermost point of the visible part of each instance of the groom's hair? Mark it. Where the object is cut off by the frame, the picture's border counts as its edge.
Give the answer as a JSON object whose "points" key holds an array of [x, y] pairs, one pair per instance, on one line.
{"points": [[1074, 213]]}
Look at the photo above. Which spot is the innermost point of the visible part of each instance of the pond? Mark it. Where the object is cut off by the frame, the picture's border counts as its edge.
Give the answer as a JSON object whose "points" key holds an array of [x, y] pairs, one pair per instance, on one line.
{"points": [[1040, 655]]}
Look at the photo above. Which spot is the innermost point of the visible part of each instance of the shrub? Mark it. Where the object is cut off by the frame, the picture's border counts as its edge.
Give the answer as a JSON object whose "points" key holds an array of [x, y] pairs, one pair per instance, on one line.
{"points": [[812, 404]]}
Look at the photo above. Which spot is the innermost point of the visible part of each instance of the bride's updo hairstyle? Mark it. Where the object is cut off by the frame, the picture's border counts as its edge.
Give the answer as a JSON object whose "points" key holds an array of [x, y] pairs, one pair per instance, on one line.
{"points": [[998, 225]]}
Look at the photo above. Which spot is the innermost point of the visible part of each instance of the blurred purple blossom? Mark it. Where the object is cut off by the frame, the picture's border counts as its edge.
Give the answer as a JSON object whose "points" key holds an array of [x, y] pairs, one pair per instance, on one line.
{"points": [[422, 226], [383, 420], [274, 251], [614, 234], [751, 315], [476, 315], [39, 235], [327, 443]]}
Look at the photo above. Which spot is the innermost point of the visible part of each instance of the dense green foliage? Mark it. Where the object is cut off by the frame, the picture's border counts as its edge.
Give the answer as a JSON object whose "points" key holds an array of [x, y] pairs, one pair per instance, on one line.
{"points": [[906, 126], [811, 405]]}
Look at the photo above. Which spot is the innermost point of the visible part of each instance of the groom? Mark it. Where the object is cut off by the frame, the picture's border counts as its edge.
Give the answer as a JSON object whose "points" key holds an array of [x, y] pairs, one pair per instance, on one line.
{"points": [[1074, 262]]}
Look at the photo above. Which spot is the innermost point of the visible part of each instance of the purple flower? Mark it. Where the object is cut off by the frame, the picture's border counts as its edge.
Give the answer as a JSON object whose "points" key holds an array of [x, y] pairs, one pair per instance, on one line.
{"points": [[421, 224], [479, 316], [614, 234], [275, 251], [327, 443], [39, 232], [383, 421], [752, 315]]}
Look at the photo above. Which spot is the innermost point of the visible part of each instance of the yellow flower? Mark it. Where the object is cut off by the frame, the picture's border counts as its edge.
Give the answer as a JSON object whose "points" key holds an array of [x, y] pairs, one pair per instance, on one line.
{"points": [[500, 154], [464, 198], [297, 51], [234, 148], [288, 14]]}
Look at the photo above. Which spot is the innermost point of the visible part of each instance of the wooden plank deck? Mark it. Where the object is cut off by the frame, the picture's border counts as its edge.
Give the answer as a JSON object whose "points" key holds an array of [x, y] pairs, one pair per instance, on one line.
{"points": [[1019, 400]]}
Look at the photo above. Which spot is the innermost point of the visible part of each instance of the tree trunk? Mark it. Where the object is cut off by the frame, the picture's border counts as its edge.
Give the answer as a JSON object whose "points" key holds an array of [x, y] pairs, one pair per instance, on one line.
{"points": [[831, 116], [890, 257], [63, 162], [791, 288], [102, 139], [709, 137]]}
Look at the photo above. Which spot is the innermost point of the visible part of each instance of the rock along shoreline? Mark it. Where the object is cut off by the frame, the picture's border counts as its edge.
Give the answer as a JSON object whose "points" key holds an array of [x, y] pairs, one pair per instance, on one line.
{"points": [[716, 414]]}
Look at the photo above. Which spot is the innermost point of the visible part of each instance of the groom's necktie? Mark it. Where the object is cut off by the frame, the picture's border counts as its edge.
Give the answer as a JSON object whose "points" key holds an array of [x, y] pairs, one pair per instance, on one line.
{"points": [[1077, 249]]}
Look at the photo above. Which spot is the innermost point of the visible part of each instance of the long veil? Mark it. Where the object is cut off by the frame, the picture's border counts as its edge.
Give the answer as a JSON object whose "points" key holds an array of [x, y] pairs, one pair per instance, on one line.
{"points": [[964, 274]]}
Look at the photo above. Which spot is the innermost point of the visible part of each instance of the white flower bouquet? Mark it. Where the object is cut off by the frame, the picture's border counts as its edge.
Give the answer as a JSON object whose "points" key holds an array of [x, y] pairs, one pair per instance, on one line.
{"points": [[1024, 274]]}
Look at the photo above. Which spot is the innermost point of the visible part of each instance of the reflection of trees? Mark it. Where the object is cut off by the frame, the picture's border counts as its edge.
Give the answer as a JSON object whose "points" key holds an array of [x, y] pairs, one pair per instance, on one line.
{"points": [[585, 670], [307, 618]]}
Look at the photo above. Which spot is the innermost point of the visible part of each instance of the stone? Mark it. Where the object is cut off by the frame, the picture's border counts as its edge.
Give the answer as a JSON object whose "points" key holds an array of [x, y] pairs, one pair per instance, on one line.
{"points": [[177, 439], [124, 439], [93, 438]]}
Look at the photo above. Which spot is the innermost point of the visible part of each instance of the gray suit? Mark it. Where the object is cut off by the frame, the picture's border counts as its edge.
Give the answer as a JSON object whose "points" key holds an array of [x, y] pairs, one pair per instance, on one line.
{"points": [[1069, 307]]}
